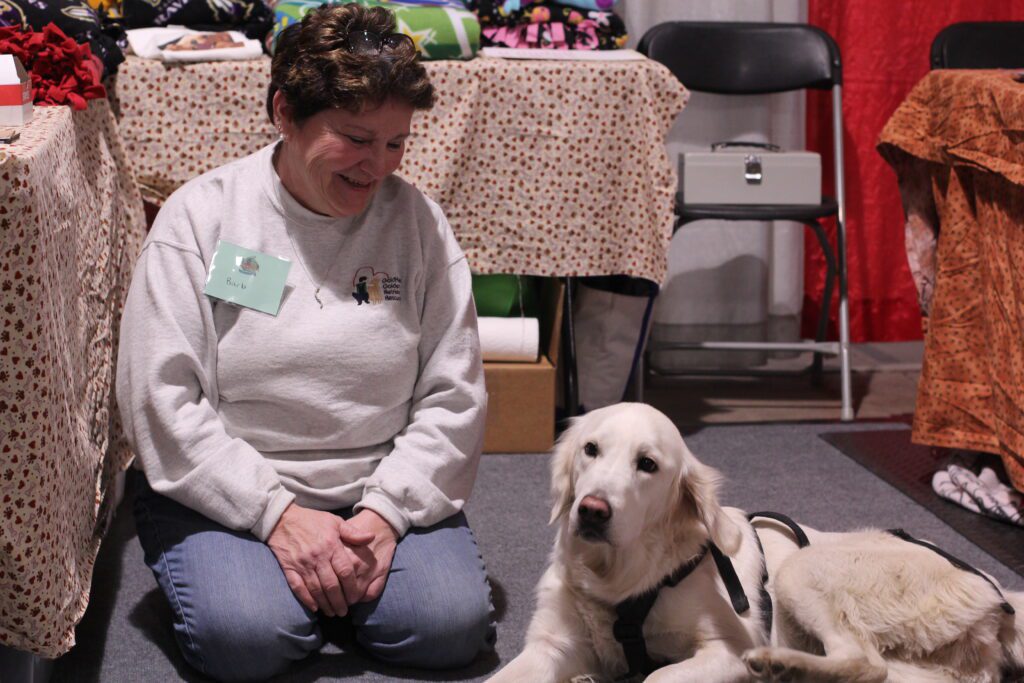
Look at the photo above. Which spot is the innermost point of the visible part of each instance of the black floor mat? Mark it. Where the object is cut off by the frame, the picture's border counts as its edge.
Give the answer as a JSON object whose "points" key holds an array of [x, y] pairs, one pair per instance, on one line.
{"points": [[891, 456]]}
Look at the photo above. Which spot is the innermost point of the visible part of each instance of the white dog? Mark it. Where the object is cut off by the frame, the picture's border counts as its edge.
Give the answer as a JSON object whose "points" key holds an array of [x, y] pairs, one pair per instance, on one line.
{"points": [[633, 505]]}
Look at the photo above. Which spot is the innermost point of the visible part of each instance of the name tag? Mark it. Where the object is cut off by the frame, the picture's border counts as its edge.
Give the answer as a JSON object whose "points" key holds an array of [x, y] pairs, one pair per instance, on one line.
{"points": [[247, 278]]}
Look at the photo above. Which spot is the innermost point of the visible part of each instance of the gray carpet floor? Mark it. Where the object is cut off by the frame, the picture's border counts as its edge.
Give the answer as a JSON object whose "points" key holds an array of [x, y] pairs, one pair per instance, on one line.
{"points": [[125, 635]]}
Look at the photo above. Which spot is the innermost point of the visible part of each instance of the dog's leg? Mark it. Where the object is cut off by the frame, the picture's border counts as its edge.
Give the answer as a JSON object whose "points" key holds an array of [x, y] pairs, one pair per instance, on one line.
{"points": [[713, 663], [783, 664], [1012, 634], [557, 648], [847, 659], [534, 663]]}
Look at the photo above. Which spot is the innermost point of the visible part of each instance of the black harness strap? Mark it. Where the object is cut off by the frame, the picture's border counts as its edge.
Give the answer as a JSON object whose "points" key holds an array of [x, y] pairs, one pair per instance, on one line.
{"points": [[801, 537], [767, 609], [732, 582], [628, 628], [956, 562]]}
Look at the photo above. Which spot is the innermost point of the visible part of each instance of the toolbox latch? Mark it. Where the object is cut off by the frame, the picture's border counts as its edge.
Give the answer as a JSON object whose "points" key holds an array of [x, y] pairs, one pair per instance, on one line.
{"points": [[752, 169]]}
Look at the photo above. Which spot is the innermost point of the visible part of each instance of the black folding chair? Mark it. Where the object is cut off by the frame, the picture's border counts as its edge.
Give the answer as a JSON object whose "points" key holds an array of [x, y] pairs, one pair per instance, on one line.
{"points": [[729, 58], [979, 45]]}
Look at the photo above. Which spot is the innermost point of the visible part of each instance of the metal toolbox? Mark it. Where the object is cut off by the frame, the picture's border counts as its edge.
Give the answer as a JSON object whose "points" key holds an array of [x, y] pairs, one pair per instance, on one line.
{"points": [[750, 173]]}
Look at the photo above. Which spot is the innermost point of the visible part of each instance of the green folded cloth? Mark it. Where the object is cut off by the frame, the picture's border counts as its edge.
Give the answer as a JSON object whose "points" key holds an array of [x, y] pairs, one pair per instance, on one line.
{"points": [[499, 296], [447, 31]]}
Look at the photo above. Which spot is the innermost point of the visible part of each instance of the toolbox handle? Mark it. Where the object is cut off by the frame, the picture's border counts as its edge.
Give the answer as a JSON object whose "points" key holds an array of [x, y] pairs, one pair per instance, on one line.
{"points": [[722, 144]]}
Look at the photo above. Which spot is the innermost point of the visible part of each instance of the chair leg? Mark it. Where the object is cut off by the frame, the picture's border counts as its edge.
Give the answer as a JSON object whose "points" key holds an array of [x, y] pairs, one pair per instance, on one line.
{"points": [[636, 370], [826, 299], [571, 385], [845, 370]]}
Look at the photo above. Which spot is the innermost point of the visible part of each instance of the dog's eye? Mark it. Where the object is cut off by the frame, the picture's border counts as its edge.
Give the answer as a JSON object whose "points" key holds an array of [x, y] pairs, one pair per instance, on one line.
{"points": [[590, 448], [645, 464]]}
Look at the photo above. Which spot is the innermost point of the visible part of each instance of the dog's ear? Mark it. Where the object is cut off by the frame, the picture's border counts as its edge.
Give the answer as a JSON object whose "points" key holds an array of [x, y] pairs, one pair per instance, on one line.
{"points": [[700, 494], [562, 457]]}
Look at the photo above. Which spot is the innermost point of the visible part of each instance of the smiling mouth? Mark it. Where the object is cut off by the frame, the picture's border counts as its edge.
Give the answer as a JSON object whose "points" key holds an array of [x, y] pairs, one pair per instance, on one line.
{"points": [[355, 183]]}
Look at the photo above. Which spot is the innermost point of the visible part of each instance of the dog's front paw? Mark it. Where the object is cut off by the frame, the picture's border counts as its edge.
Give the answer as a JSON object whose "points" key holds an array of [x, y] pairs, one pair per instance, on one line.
{"points": [[763, 665]]}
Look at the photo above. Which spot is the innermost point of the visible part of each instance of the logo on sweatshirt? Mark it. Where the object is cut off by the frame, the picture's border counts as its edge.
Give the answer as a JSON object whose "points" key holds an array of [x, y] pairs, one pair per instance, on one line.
{"points": [[371, 286]]}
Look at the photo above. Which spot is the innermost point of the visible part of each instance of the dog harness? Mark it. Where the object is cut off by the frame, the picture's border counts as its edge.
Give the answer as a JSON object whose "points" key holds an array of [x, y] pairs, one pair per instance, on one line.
{"points": [[631, 612], [629, 626], [801, 541]]}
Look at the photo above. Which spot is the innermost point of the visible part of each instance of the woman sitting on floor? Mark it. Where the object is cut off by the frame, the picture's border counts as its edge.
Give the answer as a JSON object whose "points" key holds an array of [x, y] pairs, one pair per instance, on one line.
{"points": [[311, 463]]}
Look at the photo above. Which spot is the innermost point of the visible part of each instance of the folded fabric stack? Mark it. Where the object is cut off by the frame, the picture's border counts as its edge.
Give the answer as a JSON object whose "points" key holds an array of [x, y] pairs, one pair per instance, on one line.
{"points": [[252, 17], [62, 70], [982, 493], [180, 44], [440, 29], [564, 25], [75, 19]]}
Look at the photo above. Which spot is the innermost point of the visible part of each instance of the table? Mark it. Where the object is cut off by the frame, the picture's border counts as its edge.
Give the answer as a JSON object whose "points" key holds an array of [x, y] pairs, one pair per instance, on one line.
{"points": [[71, 225], [552, 168], [957, 145]]}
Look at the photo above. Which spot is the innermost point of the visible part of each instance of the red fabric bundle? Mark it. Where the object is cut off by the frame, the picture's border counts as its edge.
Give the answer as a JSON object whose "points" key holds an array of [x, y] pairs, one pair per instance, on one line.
{"points": [[62, 70]]}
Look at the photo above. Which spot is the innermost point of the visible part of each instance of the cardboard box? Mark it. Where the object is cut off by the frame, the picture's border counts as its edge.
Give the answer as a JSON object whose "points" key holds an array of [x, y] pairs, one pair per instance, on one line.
{"points": [[15, 92], [521, 396]]}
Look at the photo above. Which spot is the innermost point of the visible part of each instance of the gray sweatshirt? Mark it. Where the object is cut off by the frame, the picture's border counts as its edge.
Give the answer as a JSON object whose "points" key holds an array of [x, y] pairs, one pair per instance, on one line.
{"points": [[377, 399]]}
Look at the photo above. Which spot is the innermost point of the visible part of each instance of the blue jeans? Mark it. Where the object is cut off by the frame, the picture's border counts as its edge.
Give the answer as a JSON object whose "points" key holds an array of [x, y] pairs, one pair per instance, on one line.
{"points": [[235, 618]]}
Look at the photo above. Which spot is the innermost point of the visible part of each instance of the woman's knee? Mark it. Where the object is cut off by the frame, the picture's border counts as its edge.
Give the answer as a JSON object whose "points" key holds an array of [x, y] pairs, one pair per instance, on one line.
{"points": [[247, 643], [434, 633]]}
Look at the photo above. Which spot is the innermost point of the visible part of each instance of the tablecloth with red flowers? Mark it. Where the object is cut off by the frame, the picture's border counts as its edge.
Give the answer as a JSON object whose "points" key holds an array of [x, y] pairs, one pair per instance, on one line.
{"points": [[71, 225], [542, 167]]}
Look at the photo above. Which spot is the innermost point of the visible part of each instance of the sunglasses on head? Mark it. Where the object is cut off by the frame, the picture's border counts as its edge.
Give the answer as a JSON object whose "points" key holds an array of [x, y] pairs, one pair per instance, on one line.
{"points": [[368, 42]]}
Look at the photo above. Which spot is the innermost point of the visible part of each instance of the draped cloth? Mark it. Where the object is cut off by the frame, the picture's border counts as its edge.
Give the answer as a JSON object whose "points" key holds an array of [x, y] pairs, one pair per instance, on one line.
{"points": [[71, 226], [957, 144]]}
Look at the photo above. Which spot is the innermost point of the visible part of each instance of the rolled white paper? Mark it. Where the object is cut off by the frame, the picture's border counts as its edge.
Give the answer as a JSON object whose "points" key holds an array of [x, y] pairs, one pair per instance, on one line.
{"points": [[509, 339]]}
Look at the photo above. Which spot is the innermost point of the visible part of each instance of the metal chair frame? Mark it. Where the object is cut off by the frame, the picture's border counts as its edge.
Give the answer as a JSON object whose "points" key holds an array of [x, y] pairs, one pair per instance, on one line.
{"points": [[979, 45], [835, 260]]}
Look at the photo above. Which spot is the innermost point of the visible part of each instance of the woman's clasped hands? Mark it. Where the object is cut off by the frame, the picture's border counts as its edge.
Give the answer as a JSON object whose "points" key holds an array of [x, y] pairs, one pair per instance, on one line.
{"points": [[331, 563]]}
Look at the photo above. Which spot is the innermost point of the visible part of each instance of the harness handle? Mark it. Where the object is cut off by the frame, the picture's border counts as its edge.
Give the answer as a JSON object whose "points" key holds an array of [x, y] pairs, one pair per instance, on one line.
{"points": [[801, 537]]}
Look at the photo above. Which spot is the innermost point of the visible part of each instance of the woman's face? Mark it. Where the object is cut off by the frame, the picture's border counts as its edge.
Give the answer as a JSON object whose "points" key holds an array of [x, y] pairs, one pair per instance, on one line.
{"points": [[335, 161]]}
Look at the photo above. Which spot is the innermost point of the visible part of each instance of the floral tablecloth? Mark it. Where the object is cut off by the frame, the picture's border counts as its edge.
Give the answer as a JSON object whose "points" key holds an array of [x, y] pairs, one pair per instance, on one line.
{"points": [[71, 225], [542, 167], [957, 144]]}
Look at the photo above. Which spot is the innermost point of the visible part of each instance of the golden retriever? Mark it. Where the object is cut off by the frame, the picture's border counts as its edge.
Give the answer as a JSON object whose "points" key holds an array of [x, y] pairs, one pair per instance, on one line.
{"points": [[632, 504]]}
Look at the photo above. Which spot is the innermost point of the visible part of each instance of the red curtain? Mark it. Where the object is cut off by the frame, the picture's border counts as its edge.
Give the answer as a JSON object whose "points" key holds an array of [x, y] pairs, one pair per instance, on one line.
{"points": [[885, 49]]}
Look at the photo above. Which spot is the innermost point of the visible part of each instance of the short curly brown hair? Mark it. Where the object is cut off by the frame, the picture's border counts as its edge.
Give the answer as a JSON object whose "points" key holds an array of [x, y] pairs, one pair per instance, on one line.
{"points": [[314, 70]]}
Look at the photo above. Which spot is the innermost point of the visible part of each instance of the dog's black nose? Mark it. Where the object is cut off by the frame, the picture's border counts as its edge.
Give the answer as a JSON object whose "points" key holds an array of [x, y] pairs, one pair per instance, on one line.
{"points": [[594, 511]]}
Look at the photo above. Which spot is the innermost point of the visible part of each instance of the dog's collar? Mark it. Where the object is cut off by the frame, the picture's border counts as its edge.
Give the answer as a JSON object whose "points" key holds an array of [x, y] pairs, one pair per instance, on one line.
{"points": [[629, 626]]}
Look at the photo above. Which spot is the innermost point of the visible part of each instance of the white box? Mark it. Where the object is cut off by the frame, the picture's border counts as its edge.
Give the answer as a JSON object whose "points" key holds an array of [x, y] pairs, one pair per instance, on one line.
{"points": [[15, 92], [750, 175]]}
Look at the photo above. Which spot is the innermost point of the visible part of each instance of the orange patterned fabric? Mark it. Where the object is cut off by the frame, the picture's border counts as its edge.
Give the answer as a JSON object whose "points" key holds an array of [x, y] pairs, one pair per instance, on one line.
{"points": [[956, 144], [542, 167], [71, 225]]}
